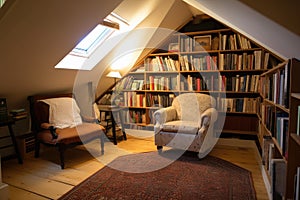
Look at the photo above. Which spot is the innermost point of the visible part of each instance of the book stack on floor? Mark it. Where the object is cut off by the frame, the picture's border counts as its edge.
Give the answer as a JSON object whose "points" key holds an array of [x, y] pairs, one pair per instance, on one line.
{"points": [[19, 113]]}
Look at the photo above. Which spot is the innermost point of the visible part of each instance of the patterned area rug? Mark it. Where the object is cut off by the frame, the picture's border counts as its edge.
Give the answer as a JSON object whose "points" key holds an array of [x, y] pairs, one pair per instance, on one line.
{"points": [[186, 178]]}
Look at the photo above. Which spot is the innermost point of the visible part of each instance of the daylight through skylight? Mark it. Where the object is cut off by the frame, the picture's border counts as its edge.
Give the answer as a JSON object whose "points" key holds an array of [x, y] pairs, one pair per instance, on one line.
{"points": [[94, 38], [86, 47]]}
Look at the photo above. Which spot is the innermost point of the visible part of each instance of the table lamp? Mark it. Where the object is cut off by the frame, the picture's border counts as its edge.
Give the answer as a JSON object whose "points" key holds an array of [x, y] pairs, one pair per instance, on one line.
{"points": [[114, 74]]}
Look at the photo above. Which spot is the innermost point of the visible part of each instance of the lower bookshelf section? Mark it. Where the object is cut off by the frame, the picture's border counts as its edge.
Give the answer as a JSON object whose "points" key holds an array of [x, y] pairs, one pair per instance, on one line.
{"points": [[275, 168]]}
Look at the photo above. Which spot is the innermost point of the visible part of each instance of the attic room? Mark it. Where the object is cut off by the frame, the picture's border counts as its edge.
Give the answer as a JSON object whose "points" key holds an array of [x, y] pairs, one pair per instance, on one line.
{"points": [[35, 36]]}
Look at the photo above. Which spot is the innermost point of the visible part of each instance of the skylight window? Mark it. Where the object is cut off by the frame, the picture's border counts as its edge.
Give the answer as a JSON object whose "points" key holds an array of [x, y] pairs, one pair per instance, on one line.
{"points": [[112, 24], [2, 3], [98, 35]]}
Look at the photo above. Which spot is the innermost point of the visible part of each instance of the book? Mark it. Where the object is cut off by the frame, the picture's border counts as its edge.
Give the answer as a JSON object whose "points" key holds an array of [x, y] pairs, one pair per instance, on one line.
{"points": [[267, 140], [297, 184], [298, 121], [278, 171]]}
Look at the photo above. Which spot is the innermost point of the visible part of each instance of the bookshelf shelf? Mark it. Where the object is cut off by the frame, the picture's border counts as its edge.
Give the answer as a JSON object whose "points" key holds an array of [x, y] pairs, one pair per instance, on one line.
{"points": [[296, 95], [296, 138]]}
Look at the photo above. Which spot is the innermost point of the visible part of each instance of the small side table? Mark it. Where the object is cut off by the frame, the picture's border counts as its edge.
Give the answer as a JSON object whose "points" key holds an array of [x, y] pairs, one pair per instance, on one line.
{"points": [[113, 110], [9, 122]]}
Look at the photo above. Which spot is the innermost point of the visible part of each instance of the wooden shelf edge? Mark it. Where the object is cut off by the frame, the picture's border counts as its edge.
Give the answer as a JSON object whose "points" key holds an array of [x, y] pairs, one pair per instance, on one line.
{"points": [[239, 132], [296, 138], [295, 95], [274, 69]]}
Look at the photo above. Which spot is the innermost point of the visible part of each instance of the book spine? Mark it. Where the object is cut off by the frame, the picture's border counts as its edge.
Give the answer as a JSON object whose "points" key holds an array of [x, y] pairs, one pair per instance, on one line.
{"points": [[298, 121]]}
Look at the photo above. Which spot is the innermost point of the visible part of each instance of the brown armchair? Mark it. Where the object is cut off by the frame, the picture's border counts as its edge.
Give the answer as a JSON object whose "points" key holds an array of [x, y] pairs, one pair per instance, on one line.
{"points": [[57, 132]]}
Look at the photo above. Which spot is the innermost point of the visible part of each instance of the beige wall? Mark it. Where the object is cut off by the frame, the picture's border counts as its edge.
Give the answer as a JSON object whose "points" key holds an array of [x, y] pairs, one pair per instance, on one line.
{"points": [[34, 36], [285, 13]]}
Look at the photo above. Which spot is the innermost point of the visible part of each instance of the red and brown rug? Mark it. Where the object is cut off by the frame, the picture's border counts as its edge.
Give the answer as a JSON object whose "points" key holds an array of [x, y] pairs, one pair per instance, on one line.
{"points": [[186, 178]]}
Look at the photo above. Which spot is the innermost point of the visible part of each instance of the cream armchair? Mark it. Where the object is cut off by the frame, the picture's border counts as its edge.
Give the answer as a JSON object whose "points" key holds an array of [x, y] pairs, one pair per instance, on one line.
{"points": [[188, 124]]}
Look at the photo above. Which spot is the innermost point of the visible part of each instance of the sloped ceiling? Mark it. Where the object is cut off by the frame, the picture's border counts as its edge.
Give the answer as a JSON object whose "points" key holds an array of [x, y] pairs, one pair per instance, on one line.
{"points": [[285, 13], [35, 35], [252, 24]]}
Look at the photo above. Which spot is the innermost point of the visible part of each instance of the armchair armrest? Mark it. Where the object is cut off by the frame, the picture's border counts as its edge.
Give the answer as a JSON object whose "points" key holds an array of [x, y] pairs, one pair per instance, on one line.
{"points": [[162, 116], [207, 118], [51, 128]]}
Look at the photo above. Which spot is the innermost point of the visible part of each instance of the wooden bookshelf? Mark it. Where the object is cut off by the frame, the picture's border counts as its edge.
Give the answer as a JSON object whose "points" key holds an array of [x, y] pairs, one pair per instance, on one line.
{"points": [[222, 70], [229, 71], [279, 114], [293, 160]]}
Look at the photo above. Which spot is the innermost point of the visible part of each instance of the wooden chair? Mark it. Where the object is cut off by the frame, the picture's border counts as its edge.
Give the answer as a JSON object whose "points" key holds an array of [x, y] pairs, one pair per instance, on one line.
{"points": [[61, 137]]}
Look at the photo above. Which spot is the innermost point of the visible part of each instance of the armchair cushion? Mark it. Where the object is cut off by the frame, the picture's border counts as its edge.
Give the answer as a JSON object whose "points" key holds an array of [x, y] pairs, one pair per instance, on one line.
{"points": [[81, 133], [188, 127]]}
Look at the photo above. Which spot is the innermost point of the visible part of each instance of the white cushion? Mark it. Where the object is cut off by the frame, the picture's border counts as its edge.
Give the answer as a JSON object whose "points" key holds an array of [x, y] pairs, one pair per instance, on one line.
{"points": [[63, 112], [188, 127]]}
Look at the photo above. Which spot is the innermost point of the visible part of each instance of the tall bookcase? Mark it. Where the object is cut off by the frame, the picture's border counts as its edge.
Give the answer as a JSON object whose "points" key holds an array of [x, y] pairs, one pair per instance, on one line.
{"points": [[255, 89], [293, 152], [278, 126], [220, 62]]}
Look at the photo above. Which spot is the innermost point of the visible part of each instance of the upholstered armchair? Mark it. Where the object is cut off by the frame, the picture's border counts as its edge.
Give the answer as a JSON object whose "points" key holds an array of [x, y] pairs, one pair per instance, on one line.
{"points": [[56, 121], [188, 124]]}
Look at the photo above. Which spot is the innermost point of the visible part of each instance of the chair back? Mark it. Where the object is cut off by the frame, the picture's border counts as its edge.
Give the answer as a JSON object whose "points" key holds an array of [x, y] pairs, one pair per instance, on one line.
{"points": [[39, 111], [190, 106]]}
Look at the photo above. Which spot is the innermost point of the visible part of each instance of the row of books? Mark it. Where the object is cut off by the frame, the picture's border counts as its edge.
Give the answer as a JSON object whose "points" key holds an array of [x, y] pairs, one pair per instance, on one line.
{"points": [[277, 124], [160, 63], [247, 83], [135, 116], [275, 166], [276, 87], [244, 61], [198, 63], [228, 42], [247, 105], [130, 83], [234, 42], [268, 116], [192, 44], [237, 83], [134, 99], [163, 83]]}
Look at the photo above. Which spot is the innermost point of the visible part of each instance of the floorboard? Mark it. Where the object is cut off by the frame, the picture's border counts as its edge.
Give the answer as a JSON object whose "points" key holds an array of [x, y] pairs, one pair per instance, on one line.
{"points": [[37, 176]]}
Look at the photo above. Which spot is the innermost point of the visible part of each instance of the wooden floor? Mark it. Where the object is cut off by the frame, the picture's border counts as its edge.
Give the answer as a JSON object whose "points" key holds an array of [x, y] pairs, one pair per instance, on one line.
{"points": [[42, 178]]}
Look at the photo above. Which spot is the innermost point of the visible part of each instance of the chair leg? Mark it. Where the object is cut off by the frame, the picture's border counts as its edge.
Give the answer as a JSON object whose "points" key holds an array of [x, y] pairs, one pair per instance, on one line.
{"points": [[102, 143], [159, 149], [36, 149], [61, 149]]}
